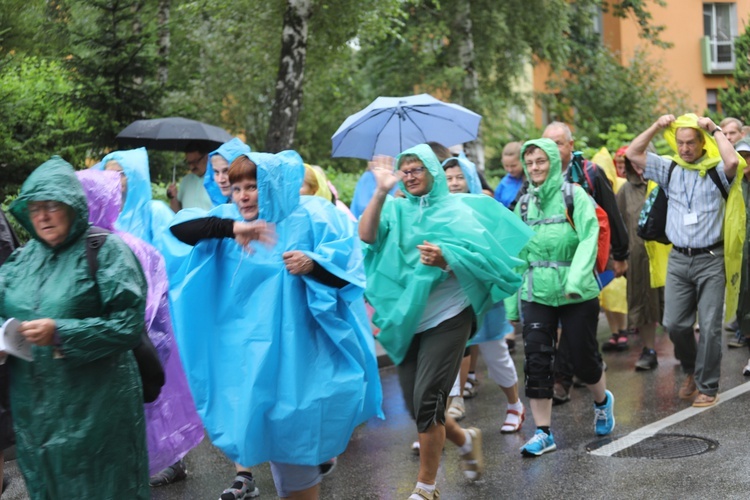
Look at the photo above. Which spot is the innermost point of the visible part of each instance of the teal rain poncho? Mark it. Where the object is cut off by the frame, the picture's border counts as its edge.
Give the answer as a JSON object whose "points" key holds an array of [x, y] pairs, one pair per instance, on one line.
{"points": [[78, 417], [281, 367], [229, 151], [479, 239], [141, 216]]}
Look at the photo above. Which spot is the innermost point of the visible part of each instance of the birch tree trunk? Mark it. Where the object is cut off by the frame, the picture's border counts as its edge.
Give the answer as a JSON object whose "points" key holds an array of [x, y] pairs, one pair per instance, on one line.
{"points": [[470, 92], [288, 101], [162, 19]]}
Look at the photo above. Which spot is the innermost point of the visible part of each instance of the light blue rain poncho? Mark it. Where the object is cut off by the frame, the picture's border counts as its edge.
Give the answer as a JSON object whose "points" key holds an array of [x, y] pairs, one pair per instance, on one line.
{"points": [[281, 367], [229, 151], [141, 216], [494, 326]]}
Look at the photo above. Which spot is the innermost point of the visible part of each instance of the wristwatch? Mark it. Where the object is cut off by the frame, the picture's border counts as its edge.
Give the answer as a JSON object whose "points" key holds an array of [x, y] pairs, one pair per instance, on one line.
{"points": [[717, 129]]}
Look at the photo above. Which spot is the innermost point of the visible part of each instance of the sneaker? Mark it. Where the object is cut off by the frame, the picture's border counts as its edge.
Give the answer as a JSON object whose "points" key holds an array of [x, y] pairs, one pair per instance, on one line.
{"points": [[172, 474], [327, 467], [538, 445], [739, 340], [688, 390], [243, 488], [604, 416], [560, 394], [472, 463], [647, 360], [746, 370], [457, 409]]}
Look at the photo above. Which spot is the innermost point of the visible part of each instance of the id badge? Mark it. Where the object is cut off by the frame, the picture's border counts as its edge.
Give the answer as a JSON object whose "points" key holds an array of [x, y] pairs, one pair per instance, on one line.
{"points": [[690, 218]]}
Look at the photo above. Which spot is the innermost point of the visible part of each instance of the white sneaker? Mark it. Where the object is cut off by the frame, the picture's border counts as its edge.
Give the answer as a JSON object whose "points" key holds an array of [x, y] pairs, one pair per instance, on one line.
{"points": [[746, 370]]}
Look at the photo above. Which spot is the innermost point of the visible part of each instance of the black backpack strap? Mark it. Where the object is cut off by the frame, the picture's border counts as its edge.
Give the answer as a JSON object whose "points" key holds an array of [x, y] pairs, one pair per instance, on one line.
{"points": [[568, 190], [714, 175], [95, 238], [669, 177]]}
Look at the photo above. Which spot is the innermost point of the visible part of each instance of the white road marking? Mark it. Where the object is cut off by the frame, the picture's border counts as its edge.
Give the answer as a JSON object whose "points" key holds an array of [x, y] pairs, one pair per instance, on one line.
{"points": [[648, 431]]}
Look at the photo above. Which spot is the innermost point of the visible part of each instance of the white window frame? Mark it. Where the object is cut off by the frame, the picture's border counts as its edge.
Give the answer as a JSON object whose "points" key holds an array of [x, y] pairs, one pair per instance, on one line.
{"points": [[715, 43]]}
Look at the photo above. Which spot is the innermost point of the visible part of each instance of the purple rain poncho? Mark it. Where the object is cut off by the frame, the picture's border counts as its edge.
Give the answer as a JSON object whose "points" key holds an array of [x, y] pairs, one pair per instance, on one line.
{"points": [[173, 426]]}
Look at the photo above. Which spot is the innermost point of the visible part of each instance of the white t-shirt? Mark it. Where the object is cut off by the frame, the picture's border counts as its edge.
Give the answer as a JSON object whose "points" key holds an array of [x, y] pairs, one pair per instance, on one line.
{"points": [[446, 301], [192, 193]]}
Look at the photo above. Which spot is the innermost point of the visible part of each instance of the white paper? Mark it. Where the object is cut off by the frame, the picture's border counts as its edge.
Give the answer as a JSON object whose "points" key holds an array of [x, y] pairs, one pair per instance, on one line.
{"points": [[13, 342]]}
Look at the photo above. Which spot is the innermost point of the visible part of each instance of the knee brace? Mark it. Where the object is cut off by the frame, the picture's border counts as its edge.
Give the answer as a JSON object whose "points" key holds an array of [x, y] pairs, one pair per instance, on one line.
{"points": [[539, 341]]}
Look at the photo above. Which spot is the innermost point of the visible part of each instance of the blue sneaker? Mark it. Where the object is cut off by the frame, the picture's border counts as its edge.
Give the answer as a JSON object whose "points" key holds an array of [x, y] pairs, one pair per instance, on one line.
{"points": [[540, 444], [604, 416]]}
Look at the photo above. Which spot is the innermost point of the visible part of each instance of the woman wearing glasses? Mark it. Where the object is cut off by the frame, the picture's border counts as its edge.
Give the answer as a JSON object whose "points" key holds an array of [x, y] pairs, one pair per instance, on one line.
{"points": [[435, 262], [559, 288]]}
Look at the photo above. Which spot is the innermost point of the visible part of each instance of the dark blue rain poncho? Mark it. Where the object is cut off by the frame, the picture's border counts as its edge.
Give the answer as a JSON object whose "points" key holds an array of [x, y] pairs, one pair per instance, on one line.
{"points": [[282, 367], [229, 151], [173, 426], [141, 216]]}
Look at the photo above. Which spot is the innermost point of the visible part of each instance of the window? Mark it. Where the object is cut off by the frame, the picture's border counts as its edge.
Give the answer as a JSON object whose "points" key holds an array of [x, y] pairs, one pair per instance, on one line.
{"points": [[720, 28], [712, 100]]}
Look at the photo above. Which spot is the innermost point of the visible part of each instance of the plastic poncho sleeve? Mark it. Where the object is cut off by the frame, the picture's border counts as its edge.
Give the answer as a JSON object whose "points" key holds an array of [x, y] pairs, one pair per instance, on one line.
{"points": [[122, 290], [587, 229], [511, 303]]}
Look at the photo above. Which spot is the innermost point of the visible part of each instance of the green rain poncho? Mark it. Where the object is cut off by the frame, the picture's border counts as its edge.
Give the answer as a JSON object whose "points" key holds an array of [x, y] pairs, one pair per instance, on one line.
{"points": [[564, 257], [78, 416], [479, 239]]}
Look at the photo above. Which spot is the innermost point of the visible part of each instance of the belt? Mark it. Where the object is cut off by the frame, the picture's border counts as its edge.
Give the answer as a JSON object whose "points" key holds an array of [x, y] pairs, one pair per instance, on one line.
{"points": [[697, 251]]}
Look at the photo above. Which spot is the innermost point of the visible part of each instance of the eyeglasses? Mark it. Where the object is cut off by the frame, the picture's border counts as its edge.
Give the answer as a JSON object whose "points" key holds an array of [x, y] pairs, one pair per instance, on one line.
{"points": [[416, 172], [37, 207], [195, 162], [538, 163]]}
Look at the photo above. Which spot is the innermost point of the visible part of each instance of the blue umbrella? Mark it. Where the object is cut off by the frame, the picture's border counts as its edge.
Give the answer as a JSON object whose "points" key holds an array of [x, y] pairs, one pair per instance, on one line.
{"points": [[389, 125]]}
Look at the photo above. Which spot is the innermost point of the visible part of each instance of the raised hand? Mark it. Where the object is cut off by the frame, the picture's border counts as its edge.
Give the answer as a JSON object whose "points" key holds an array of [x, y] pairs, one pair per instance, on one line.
{"points": [[382, 168], [258, 230]]}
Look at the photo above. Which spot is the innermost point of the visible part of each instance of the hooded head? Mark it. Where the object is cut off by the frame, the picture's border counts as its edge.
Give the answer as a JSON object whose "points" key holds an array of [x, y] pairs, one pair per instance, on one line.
{"points": [[134, 165], [316, 183], [227, 152], [102, 191], [53, 181], [279, 178], [467, 169], [554, 180], [690, 142], [430, 181]]}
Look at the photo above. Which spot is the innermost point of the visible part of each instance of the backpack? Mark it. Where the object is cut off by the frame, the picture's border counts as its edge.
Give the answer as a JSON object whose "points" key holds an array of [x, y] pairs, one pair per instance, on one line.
{"points": [[149, 364], [603, 243], [652, 221]]}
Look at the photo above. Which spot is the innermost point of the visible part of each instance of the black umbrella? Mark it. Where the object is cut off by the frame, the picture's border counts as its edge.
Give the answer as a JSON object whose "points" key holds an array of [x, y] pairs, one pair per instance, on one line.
{"points": [[172, 134]]}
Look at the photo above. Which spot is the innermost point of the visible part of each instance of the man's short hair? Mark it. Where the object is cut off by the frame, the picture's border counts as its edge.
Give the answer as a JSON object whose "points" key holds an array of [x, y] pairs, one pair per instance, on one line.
{"points": [[698, 134], [199, 147], [512, 149], [564, 126], [729, 119]]}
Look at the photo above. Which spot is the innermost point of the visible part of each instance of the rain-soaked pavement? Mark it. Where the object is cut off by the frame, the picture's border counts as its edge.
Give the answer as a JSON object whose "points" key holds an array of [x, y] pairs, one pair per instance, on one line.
{"points": [[379, 465]]}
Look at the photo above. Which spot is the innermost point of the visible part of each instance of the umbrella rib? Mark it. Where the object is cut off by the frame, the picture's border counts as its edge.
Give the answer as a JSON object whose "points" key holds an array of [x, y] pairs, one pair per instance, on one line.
{"points": [[415, 124], [377, 137], [353, 127], [459, 125]]}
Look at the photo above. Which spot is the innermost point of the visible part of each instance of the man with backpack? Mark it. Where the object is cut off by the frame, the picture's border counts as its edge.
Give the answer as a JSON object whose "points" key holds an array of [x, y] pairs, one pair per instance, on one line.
{"points": [[695, 214], [595, 182]]}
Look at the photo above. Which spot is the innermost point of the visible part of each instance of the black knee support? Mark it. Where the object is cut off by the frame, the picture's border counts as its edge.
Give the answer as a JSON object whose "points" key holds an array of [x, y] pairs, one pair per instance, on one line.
{"points": [[539, 341]]}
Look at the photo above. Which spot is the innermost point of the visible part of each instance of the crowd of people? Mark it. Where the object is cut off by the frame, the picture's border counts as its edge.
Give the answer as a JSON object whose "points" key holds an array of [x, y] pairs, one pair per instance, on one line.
{"points": [[259, 291]]}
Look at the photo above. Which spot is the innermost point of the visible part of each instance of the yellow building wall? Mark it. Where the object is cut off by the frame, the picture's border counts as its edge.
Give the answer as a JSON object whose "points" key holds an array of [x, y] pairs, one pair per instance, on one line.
{"points": [[681, 64]]}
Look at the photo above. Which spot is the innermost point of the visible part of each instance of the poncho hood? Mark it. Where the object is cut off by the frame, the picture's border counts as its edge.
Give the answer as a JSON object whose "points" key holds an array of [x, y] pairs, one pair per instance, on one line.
{"points": [[439, 184], [229, 151], [470, 173], [320, 177], [280, 178], [53, 180], [711, 156], [554, 181], [134, 163], [102, 189]]}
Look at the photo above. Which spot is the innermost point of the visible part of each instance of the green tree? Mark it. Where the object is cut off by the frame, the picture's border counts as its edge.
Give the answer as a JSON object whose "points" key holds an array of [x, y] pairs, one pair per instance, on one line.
{"points": [[735, 99]]}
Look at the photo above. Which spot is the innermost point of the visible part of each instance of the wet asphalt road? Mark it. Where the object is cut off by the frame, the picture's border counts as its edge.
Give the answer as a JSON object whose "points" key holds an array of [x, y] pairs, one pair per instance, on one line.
{"points": [[379, 465]]}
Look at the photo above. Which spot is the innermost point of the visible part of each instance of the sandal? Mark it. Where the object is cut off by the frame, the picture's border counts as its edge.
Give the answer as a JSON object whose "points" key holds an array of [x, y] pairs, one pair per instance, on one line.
{"points": [[704, 400], [510, 427], [242, 488], [471, 387], [419, 492]]}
